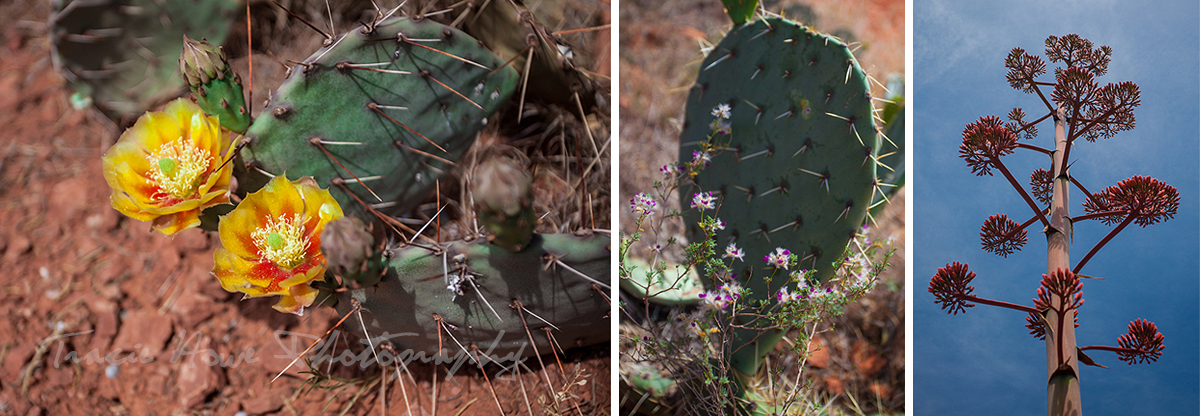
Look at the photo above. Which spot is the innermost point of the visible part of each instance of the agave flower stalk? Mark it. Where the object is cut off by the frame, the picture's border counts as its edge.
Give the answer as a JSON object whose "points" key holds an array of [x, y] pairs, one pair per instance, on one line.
{"points": [[1079, 108]]}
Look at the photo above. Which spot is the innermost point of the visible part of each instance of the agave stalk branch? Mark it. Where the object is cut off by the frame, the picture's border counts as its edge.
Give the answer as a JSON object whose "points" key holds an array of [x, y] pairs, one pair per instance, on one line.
{"points": [[1033, 147], [999, 303], [1021, 190], [1128, 219], [1110, 349]]}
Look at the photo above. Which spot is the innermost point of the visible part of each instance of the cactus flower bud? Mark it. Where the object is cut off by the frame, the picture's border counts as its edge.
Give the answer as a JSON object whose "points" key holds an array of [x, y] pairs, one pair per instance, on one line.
{"points": [[504, 202], [201, 62], [347, 245], [218, 91]]}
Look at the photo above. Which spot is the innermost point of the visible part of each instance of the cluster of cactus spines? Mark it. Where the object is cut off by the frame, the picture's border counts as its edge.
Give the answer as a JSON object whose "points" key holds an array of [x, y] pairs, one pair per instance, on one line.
{"points": [[120, 54], [379, 113], [435, 298], [798, 170], [891, 159], [217, 89], [1079, 108], [503, 197]]}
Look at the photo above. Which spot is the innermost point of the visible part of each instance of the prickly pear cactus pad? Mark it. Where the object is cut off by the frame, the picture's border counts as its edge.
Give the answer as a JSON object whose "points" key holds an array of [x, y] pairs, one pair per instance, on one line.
{"points": [[797, 171], [472, 286], [792, 158], [382, 110], [121, 54]]}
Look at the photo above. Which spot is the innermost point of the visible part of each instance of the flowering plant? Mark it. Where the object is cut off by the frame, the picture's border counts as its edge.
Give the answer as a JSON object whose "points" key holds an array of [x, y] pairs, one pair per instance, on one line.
{"points": [[170, 166], [272, 243]]}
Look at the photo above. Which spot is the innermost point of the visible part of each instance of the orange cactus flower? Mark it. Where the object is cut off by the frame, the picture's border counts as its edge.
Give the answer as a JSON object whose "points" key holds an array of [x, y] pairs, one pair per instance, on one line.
{"points": [[272, 243], [168, 167]]}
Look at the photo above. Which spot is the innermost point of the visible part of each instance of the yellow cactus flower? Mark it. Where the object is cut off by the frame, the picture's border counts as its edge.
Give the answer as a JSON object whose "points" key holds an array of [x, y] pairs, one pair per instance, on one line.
{"points": [[168, 167], [272, 243]]}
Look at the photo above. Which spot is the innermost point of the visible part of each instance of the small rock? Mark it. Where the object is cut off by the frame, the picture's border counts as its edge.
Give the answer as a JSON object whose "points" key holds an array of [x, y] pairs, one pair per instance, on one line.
{"points": [[10, 97], [866, 360], [15, 361], [105, 313], [105, 220], [192, 308], [112, 371], [17, 245], [193, 239], [69, 197], [144, 333], [881, 390], [818, 353], [197, 380], [834, 386], [266, 403]]}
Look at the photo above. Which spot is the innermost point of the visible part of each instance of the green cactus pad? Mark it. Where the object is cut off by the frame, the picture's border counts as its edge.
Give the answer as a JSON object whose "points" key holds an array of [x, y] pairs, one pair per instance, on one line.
{"points": [[421, 282], [379, 102], [807, 88], [740, 11], [122, 53], [797, 171]]}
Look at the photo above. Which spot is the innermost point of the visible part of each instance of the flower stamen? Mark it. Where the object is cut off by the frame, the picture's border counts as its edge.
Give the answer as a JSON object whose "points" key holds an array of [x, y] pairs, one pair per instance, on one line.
{"points": [[282, 241], [180, 165]]}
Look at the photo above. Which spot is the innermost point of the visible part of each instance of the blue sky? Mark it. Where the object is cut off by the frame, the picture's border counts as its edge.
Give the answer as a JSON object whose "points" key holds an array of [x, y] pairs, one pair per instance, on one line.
{"points": [[984, 362]]}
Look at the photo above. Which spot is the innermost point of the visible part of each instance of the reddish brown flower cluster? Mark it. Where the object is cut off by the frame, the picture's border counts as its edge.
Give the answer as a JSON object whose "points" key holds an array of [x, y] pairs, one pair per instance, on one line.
{"points": [[950, 284], [1023, 68], [1061, 283], [1074, 50], [1041, 182], [1148, 200], [1016, 123], [984, 142], [1001, 235], [1111, 110], [1144, 342], [1075, 87]]}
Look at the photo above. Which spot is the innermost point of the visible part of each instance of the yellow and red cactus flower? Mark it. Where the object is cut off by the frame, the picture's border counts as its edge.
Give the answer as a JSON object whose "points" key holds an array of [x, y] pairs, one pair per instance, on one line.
{"points": [[272, 243], [168, 167]]}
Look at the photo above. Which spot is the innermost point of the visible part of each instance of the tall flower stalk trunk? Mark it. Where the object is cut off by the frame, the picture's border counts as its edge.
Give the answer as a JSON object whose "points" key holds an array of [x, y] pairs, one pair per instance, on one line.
{"points": [[1062, 365]]}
